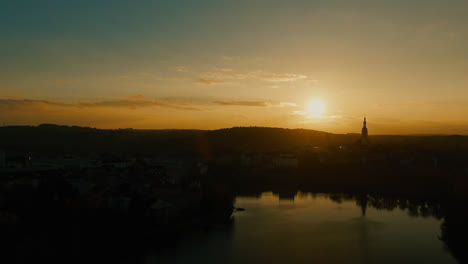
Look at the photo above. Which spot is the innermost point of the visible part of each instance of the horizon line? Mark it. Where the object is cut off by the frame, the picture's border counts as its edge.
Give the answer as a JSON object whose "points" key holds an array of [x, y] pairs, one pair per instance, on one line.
{"points": [[195, 129]]}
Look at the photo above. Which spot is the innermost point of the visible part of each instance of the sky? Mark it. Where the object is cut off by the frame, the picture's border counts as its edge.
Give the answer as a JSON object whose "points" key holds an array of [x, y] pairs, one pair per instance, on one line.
{"points": [[319, 65]]}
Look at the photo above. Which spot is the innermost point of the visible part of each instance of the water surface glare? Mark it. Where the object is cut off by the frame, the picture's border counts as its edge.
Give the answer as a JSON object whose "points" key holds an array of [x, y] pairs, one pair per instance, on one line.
{"points": [[312, 228]]}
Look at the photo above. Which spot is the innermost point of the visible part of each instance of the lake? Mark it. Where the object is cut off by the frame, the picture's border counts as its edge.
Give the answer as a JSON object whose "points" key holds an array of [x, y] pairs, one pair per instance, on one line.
{"points": [[316, 228]]}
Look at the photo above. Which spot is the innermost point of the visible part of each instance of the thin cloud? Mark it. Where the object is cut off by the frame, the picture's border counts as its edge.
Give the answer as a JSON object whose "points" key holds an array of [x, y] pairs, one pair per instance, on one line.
{"points": [[255, 103], [242, 103], [15, 102], [286, 104], [226, 69], [132, 102], [262, 75], [277, 77], [222, 76], [208, 82], [301, 113], [181, 68], [139, 101], [171, 78]]}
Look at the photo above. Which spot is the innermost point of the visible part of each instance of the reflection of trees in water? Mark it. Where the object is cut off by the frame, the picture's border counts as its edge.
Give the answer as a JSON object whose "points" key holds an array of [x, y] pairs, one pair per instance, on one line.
{"points": [[414, 208], [454, 230]]}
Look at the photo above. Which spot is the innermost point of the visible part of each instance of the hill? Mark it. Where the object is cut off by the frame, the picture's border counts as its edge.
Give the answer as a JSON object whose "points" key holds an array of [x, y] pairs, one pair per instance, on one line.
{"points": [[49, 138]]}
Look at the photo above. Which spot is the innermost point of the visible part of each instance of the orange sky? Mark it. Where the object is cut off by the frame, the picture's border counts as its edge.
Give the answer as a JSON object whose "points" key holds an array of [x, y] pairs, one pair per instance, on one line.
{"points": [[215, 64]]}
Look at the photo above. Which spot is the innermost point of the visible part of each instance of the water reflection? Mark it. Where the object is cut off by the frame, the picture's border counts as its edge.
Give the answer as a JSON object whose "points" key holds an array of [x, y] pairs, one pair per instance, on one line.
{"points": [[308, 227], [413, 207]]}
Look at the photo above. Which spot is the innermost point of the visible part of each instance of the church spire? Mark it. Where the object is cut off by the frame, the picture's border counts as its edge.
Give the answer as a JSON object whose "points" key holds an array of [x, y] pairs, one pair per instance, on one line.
{"points": [[364, 134]]}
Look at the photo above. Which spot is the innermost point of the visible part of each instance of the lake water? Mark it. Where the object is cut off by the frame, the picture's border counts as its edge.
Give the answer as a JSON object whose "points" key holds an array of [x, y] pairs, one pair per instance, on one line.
{"points": [[313, 228]]}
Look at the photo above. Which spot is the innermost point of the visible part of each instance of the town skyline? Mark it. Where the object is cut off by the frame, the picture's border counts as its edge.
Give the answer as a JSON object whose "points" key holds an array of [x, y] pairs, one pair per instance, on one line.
{"points": [[234, 131]]}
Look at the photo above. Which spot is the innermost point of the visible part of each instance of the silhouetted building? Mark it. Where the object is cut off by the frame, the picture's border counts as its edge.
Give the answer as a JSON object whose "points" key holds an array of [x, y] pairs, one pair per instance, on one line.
{"points": [[364, 134]]}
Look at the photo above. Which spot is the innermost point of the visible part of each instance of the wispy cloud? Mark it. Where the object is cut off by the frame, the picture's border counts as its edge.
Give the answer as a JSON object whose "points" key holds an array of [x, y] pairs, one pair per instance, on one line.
{"points": [[277, 77], [222, 76], [131, 102], [287, 104], [255, 103], [208, 82], [258, 74], [14, 102], [161, 77], [181, 68], [137, 101], [171, 78], [242, 103], [226, 69]]}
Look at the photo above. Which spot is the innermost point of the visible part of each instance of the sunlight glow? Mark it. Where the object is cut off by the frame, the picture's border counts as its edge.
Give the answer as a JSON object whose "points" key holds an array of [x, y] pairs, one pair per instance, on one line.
{"points": [[316, 108]]}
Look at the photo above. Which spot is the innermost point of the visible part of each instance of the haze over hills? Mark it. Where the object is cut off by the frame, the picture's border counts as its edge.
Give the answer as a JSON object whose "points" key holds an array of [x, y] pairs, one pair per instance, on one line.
{"points": [[76, 140]]}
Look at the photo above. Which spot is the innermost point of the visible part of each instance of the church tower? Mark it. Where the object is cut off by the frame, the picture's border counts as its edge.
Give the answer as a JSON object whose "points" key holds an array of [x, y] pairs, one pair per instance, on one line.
{"points": [[364, 139]]}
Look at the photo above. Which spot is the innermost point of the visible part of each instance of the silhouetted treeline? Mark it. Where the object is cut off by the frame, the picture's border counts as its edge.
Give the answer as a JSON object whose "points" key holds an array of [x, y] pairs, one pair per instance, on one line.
{"points": [[53, 223], [205, 143]]}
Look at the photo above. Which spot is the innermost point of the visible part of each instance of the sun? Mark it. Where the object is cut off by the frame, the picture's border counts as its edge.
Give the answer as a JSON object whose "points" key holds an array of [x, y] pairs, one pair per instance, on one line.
{"points": [[316, 108]]}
